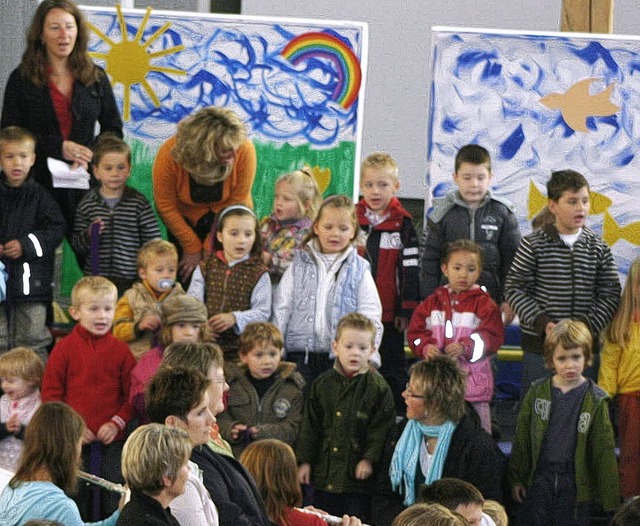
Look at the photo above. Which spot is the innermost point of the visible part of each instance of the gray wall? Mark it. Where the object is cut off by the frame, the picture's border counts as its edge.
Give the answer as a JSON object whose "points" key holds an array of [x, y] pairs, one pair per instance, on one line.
{"points": [[399, 54], [14, 18], [399, 58]]}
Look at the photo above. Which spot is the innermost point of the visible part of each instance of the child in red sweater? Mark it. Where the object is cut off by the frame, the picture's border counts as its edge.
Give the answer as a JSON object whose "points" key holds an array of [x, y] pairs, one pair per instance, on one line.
{"points": [[90, 370]]}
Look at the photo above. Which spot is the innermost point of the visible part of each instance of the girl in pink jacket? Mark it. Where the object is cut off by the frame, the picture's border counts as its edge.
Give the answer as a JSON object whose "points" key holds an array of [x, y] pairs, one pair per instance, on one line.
{"points": [[461, 320]]}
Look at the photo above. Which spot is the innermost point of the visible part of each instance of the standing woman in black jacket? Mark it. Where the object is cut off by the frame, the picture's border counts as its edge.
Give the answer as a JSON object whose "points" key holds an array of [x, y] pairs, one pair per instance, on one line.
{"points": [[59, 94]]}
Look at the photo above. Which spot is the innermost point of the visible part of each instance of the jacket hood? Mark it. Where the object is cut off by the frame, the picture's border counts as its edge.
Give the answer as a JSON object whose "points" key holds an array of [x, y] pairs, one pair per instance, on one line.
{"points": [[235, 370], [442, 205], [395, 212]]}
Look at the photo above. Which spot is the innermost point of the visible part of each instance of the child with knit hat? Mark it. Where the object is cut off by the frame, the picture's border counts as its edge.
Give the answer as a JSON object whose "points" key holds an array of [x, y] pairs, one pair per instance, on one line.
{"points": [[184, 319]]}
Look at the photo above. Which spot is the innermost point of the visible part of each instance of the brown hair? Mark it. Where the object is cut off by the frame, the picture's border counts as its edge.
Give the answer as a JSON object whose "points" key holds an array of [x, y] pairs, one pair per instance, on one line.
{"points": [[451, 493], [472, 154], [174, 391], [272, 464], [34, 58], [568, 334], [51, 442], [16, 134], [463, 245], [259, 332], [24, 363], [200, 356], [443, 384], [156, 248], [110, 143], [542, 218], [358, 322], [564, 180], [239, 211]]}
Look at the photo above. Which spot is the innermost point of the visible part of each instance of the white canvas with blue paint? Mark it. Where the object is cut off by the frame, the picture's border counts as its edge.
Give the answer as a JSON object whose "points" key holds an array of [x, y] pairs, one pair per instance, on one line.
{"points": [[541, 102]]}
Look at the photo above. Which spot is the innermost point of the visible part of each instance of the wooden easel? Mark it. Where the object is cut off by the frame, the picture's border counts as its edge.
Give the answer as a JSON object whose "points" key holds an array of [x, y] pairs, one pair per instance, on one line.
{"points": [[587, 16]]}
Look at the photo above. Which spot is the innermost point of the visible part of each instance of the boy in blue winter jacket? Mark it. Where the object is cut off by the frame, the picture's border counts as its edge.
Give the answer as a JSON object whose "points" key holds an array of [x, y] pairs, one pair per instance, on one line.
{"points": [[472, 212], [31, 227]]}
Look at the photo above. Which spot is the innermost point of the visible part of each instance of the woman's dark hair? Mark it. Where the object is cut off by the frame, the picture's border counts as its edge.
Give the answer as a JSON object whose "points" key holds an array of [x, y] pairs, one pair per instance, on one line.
{"points": [[174, 391]]}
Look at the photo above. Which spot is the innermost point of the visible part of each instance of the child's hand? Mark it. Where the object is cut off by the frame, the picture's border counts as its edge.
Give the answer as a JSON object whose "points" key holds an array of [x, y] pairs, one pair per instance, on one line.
{"points": [[401, 323], [431, 351], [237, 430], [350, 520], [150, 322], [519, 492], [221, 322], [188, 264], [12, 249], [549, 327], [100, 223], [455, 349], [507, 313], [107, 432], [364, 469], [266, 257], [88, 436], [13, 424], [304, 473]]}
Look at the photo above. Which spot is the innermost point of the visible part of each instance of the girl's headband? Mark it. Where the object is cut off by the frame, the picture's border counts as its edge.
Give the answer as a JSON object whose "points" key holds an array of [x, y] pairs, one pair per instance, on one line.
{"points": [[236, 207]]}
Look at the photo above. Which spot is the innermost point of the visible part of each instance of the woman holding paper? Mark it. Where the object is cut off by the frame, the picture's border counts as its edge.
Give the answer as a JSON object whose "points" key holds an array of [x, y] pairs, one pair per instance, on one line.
{"points": [[59, 94]]}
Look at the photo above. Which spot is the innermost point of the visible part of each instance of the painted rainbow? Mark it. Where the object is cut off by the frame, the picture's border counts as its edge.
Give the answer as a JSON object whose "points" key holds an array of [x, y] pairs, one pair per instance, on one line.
{"points": [[331, 48]]}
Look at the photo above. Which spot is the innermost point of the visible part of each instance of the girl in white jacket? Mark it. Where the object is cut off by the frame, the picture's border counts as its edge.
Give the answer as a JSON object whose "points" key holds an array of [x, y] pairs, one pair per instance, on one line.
{"points": [[326, 280]]}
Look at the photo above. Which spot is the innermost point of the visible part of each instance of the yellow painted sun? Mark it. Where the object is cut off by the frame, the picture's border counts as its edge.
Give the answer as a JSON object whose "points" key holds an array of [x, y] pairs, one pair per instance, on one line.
{"points": [[129, 62]]}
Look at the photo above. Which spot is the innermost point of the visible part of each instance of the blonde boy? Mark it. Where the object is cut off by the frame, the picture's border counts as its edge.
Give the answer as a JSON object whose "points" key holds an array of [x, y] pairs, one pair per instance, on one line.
{"points": [[90, 370], [265, 394], [118, 217], [392, 250], [138, 317], [31, 227], [348, 412], [563, 456]]}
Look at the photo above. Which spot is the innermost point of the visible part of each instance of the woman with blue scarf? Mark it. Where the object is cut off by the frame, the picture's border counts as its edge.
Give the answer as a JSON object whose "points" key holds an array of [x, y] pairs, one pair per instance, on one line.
{"points": [[443, 438]]}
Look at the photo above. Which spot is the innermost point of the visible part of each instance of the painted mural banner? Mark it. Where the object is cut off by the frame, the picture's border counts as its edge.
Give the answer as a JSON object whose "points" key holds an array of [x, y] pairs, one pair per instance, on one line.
{"points": [[541, 102], [297, 84]]}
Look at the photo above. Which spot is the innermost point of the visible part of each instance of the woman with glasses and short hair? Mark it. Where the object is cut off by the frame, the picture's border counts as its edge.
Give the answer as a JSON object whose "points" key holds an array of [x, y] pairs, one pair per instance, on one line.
{"points": [[443, 436]]}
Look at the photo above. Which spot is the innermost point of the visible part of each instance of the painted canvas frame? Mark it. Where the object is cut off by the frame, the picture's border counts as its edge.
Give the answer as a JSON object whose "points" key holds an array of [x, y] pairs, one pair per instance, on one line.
{"points": [[541, 102]]}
